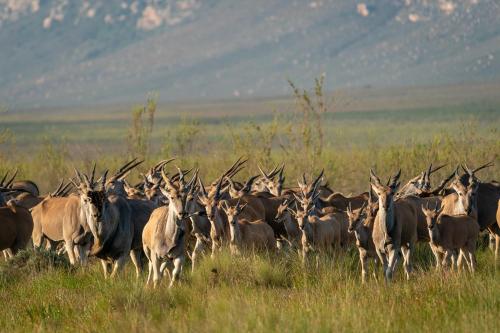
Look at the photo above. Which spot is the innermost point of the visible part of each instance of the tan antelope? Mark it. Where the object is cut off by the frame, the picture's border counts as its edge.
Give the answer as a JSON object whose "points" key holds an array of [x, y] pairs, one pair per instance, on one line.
{"points": [[16, 226], [395, 228], [361, 223], [319, 234], [164, 236], [247, 235], [269, 183], [64, 219], [450, 234], [421, 184], [219, 227]]}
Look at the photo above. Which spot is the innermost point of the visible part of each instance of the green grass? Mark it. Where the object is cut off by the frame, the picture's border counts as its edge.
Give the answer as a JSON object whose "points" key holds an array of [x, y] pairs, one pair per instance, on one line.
{"points": [[255, 293]]}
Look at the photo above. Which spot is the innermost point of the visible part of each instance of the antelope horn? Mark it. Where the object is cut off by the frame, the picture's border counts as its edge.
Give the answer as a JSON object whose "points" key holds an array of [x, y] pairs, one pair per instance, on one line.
{"points": [[58, 188], [429, 170], [466, 169], [487, 165], [167, 181], [11, 179], [231, 183], [373, 177], [217, 189], [193, 180], [87, 181], [273, 172], [396, 177], [202, 187], [238, 167], [124, 170], [181, 174], [443, 183], [62, 191], [93, 173], [4, 177], [104, 176], [280, 175], [263, 173], [177, 175], [127, 164], [437, 168], [161, 164], [78, 175], [248, 185], [233, 170], [315, 184]]}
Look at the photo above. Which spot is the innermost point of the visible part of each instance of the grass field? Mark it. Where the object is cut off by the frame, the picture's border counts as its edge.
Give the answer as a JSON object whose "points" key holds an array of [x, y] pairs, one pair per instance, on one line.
{"points": [[258, 293], [255, 294]]}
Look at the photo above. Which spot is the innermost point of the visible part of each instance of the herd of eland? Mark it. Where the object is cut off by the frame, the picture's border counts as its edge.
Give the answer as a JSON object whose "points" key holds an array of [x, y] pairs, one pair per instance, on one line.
{"points": [[168, 217]]}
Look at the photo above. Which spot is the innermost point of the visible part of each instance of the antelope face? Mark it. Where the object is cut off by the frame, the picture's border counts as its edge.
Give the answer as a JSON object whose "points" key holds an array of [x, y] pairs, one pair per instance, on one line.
{"points": [[307, 203], [275, 187], [177, 201], [210, 206], [94, 204], [154, 194], [466, 195], [231, 213], [431, 216], [302, 219], [116, 186], [355, 219], [280, 214], [385, 195]]}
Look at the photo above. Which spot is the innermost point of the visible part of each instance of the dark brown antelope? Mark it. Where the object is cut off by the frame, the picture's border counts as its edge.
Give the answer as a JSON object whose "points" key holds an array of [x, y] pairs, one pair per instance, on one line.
{"points": [[16, 226], [140, 210], [450, 234], [109, 220]]}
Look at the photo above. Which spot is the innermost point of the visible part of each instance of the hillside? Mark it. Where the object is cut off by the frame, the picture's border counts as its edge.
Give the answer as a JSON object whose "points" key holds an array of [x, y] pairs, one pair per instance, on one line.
{"points": [[81, 52]]}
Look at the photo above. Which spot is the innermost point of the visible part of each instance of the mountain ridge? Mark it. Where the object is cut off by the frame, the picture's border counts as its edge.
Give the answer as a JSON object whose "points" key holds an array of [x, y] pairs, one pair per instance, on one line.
{"points": [[87, 52]]}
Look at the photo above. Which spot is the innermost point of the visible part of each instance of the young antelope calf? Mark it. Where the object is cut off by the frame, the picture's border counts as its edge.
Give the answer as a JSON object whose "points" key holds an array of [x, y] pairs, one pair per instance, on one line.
{"points": [[361, 225], [450, 234], [318, 233], [244, 235]]}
